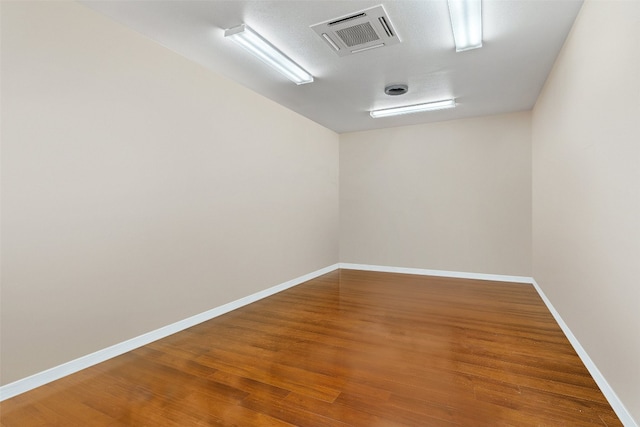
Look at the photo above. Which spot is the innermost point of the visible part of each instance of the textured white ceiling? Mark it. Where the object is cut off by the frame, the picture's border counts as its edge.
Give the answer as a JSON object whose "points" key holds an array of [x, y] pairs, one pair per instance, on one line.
{"points": [[521, 41]]}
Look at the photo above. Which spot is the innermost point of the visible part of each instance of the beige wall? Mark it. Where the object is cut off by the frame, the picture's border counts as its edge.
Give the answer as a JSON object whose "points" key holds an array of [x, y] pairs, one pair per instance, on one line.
{"points": [[586, 190], [139, 189], [447, 196]]}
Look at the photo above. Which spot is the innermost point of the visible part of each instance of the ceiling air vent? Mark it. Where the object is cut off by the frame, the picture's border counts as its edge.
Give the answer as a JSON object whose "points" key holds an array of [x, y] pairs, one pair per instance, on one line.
{"points": [[367, 29]]}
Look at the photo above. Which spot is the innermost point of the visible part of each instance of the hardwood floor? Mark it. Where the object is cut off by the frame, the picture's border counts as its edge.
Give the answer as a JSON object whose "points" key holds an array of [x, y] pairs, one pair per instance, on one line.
{"points": [[350, 348]]}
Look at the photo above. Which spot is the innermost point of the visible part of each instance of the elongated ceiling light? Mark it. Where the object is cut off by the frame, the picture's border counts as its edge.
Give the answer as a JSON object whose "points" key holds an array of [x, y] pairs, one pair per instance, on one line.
{"points": [[408, 109], [466, 20], [269, 54]]}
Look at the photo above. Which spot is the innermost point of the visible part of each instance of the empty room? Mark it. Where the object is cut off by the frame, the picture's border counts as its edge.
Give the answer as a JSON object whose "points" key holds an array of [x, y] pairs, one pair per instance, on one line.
{"points": [[320, 213]]}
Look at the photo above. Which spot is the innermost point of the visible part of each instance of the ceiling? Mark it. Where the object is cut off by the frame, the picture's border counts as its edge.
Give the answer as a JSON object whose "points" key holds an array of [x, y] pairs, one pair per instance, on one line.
{"points": [[521, 41]]}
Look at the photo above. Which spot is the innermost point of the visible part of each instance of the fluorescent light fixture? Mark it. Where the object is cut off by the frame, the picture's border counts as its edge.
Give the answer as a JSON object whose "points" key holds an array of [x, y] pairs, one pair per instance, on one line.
{"points": [[466, 20], [408, 109], [269, 54]]}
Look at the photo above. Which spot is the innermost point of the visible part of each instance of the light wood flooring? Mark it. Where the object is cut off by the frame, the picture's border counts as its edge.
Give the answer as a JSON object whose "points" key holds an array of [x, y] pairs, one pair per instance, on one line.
{"points": [[350, 348]]}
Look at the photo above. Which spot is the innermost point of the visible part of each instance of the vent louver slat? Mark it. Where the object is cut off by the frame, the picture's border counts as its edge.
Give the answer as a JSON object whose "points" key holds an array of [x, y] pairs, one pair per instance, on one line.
{"points": [[348, 18], [386, 26]]}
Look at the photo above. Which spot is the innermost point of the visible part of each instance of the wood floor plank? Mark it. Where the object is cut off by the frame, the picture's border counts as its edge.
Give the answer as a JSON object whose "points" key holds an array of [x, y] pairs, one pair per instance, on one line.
{"points": [[347, 415], [291, 413], [350, 348]]}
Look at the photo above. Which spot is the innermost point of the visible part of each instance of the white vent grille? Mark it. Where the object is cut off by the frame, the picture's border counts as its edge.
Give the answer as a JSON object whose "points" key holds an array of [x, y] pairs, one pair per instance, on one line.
{"points": [[367, 29], [358, 34]]}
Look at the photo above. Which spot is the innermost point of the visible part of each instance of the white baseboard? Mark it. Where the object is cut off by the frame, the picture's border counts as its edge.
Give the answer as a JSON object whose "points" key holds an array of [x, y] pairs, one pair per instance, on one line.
{"points": [[615, 402], [439, 273], [29, 383]]}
